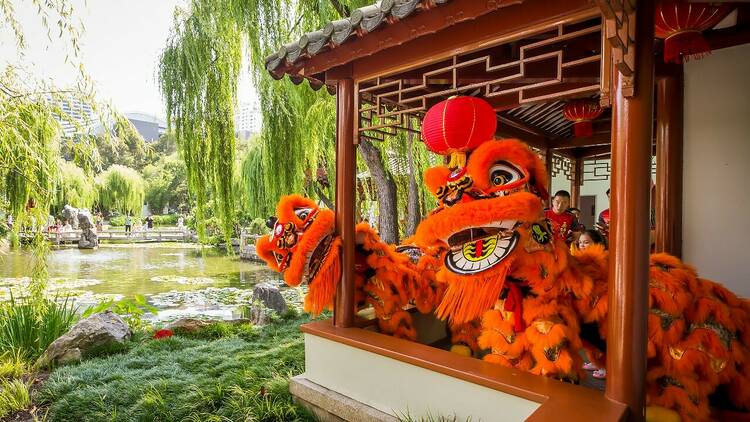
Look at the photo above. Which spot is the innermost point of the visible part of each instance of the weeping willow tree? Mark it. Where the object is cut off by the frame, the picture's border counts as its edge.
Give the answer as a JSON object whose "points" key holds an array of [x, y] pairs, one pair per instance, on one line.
{"points": [[29, 140], [73, 187], [198, 74], [121, 189], [29, 132], [297, 141]]}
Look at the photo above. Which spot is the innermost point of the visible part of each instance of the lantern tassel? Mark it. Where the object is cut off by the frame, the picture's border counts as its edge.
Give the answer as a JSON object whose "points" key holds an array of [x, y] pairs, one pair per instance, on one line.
{"points": [[685, 45], [458, 160], [583, 129]]}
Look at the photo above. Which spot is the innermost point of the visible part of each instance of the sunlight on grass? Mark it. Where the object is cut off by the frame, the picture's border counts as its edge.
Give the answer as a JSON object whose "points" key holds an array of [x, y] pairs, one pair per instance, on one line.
{"points": [[227, 373], [14, 396]]}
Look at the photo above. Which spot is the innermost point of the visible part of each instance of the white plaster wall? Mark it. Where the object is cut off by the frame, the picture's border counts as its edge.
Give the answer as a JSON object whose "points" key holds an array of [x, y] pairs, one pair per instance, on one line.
{"points": [[400, 389], [599, 189], [716, 200]]}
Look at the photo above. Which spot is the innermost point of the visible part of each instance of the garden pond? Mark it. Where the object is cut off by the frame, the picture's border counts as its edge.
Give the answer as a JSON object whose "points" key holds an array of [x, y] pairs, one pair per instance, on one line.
{"points": [[178, 279]]}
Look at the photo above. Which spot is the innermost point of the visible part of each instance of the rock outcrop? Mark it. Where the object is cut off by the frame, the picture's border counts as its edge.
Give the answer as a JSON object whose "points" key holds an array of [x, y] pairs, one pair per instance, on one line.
{"points": [[99, 332], [89, 238], [70, 215], [270, 296]]}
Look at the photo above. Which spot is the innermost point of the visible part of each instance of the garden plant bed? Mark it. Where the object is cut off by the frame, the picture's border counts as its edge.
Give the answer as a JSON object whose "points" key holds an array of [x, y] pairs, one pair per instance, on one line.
{"points": [[223, 372]]}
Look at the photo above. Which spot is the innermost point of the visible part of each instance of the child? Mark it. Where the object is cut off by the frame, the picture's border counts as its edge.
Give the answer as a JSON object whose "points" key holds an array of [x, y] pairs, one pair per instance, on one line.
{"points": [[588, 239]]}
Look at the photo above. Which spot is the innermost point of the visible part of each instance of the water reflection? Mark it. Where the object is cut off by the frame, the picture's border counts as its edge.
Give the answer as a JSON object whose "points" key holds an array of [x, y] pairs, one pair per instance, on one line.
{"points": [[173, 277]]}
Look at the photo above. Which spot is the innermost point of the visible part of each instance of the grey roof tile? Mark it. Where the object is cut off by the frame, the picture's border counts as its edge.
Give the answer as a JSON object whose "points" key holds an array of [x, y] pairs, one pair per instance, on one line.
{"points": [[361, 22]]}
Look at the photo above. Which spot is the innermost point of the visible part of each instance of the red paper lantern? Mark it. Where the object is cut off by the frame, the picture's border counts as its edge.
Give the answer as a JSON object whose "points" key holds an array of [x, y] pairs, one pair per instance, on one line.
{"points": [[680, 25], [458, 125], [582, 113]]}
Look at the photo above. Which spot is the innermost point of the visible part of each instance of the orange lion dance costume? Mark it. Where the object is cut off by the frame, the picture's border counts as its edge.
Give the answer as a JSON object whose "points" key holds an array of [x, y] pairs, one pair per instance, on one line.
{"points": [[303, 246], [501, 264]]}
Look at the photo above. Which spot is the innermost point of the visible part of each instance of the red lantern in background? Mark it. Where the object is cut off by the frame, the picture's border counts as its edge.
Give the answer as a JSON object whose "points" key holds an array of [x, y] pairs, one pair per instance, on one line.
{"points": [[458, 125], [582, 113], [680, 25]]}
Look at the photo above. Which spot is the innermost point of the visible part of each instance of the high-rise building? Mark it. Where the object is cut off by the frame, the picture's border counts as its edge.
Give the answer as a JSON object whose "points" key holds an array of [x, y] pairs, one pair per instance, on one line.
{"points": [[247, 119], [75, 116]]}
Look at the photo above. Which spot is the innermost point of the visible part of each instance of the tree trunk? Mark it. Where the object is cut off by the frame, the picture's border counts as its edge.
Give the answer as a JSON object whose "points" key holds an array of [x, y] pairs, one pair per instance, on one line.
{"points": [[322, 196], [413, 210], [386, 192]]}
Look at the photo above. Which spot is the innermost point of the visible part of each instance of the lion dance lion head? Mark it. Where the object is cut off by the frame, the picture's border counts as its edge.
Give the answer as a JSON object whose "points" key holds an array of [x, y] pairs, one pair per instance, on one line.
{"points": [[302, 247], [489, 220]]}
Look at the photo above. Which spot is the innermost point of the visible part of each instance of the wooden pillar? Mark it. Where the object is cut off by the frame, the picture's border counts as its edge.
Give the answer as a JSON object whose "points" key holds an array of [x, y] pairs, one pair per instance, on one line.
{"points": [[548, 163], [632, 129], [346, 157], [575, 186], [669, 115]]}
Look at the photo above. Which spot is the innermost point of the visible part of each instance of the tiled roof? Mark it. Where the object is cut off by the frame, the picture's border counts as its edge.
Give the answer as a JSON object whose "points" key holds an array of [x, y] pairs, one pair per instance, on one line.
{"points": [[361, 22]]}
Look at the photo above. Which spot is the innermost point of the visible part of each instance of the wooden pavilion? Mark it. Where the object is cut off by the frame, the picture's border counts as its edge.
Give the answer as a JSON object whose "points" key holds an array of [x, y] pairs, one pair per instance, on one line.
{"points": [[394, 60]]}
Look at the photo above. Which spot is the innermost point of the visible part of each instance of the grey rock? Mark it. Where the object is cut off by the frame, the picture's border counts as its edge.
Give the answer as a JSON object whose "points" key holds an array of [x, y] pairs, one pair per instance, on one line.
{"points": [[99, 331], [70, 215], [189, 325], [89, 238], [259, 314], [270, 296]]}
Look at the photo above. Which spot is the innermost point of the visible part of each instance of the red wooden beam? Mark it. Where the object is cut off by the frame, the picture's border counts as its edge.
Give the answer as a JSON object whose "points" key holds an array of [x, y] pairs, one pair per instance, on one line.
{"points": [[594, 140], [632, 127], [489, 29], [669, 141], [346, 159]]}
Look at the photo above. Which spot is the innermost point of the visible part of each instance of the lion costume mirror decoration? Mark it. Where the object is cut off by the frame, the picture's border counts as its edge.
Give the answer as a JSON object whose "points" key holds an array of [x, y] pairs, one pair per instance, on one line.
{"points": [[486, 261]]}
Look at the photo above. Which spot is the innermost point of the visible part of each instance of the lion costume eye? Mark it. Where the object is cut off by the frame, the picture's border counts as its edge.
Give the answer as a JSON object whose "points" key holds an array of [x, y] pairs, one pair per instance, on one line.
{"points": [[302, 213], [504, 173]]}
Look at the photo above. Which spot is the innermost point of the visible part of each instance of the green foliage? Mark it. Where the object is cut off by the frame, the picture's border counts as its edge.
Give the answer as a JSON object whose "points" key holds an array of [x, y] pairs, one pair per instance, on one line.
{"points": [[257, 226], [28, 326], [119, 220], [12, 365], [239, 374], [198, 74], [131, 310], [166, 184], [217, 330], [121, 189], [14, 396], [74, 187], [119, 144], [165, 220], [159, 220], [430, 418], [28, 152]]}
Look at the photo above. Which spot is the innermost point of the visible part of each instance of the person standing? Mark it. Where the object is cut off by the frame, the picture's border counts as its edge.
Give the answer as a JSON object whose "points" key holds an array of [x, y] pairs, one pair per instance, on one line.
{"points": [[128, 224], [602, 223], [564, 223], [149, 223]]}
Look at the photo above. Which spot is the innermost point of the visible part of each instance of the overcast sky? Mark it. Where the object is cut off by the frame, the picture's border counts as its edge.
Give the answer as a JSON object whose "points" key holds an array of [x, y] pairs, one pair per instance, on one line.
{"points": [[120, 50]]}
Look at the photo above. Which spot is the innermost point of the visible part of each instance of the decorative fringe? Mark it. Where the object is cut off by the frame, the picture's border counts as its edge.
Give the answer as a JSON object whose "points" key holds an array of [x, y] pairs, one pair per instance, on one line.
{"points": [[468, 297], [323, 287]]}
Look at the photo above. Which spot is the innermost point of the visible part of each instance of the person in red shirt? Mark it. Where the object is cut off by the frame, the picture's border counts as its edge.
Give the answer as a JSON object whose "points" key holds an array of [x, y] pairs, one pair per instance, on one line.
{"points": [[602, 223], [564, 223]]}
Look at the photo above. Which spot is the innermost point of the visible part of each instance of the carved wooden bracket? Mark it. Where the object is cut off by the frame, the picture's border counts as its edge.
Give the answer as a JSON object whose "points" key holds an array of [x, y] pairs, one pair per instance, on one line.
{"points": [[619, 29]]}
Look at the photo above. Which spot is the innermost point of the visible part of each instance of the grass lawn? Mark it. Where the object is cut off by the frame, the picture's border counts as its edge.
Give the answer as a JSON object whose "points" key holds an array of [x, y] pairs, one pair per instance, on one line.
{"points": [[223, 373]]}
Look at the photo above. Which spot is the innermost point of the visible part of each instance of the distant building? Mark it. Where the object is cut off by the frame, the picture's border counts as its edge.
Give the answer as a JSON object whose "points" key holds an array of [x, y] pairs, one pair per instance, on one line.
{"points": [[247, 119], [148, 126], [76, 117]]}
